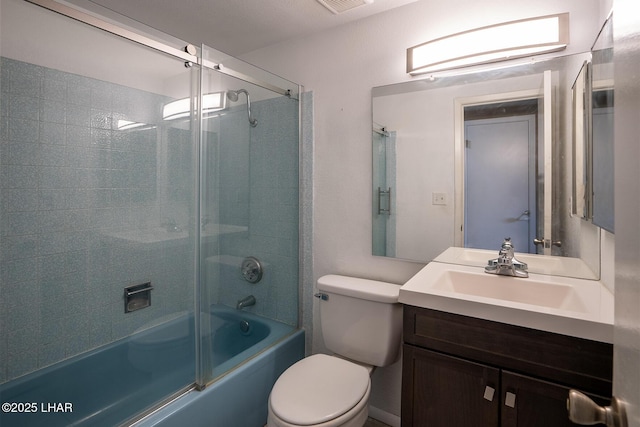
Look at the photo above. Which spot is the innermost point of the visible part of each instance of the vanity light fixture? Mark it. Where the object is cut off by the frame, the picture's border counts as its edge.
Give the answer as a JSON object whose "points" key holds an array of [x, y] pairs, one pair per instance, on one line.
{"points": [[211, 102], [498, 42]]}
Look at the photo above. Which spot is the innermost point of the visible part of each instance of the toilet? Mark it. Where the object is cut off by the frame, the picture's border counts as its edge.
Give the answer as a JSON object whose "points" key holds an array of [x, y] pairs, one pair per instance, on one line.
{"points": [[361, 322]]}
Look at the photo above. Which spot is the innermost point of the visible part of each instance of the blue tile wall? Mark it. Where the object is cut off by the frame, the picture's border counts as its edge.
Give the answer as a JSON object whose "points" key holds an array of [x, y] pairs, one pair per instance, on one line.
{"points": [[77, 198], [258, 188]]}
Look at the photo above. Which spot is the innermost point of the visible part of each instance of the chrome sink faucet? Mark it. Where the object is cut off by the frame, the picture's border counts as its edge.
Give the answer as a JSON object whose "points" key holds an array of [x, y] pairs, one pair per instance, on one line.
{"points": [[506, 264]]}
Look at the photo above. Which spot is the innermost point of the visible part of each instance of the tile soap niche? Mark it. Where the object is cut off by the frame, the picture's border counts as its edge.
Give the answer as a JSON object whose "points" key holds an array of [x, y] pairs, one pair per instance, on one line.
{"points": [[137, 297]]}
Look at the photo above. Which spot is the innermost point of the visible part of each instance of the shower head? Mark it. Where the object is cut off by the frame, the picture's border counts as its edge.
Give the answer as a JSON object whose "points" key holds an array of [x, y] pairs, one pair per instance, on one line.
{"points": [[232, 95]]}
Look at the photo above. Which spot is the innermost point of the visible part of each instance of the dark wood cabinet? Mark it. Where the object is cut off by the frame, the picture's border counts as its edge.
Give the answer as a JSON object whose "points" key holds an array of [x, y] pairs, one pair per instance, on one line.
{"points": [[435, 381], [462, 371], [536, 403]]}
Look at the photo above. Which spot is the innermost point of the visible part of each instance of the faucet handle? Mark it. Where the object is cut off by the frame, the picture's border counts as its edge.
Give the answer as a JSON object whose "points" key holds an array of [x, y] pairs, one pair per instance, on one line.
{"points": [[507, 242], [507, 248]]}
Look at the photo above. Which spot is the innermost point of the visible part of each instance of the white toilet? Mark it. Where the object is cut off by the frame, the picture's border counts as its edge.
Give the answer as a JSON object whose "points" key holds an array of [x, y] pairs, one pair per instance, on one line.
{"points": [[361, 321]]}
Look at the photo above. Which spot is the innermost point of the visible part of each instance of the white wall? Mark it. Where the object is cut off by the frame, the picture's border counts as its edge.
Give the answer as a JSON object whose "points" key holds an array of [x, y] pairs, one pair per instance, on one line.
{"points": [[422, 229], [37, 36], [341, 66]]}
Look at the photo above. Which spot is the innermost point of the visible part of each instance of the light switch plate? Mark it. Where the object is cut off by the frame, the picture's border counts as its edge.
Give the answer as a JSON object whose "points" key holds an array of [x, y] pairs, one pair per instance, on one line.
{"points": [[438, 198]]}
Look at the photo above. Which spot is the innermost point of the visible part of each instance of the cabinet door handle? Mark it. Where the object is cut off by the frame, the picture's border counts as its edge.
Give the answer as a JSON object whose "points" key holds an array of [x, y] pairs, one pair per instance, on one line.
{"points": [[488, 393], [510, 400]]}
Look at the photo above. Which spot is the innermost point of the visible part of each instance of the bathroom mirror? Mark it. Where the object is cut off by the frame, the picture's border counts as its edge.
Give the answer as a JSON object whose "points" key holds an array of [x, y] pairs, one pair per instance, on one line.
{"points": [[592, 197], [421, 162], [582, 144], [602, 109]]}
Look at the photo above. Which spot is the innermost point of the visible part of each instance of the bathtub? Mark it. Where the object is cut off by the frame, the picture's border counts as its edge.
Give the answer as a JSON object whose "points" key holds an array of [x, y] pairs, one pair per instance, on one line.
{"points": [[110, 385]]}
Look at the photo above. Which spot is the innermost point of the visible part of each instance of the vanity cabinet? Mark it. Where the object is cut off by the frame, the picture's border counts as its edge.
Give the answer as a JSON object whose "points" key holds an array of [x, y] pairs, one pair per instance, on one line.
{"points": [[460, 371]]}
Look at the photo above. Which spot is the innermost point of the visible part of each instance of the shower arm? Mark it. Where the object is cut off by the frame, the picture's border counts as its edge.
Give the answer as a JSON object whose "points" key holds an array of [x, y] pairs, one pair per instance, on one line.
{"points": [[233, 96], [253, 122]]}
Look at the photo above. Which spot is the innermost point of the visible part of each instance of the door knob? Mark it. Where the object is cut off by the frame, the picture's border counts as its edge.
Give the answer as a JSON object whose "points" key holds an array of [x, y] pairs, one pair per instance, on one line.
{"points": [[584, 411]]}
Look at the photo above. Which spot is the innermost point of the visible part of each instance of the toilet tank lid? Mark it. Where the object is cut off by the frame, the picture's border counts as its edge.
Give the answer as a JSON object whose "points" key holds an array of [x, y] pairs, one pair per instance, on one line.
{"points": [[356, 287]]}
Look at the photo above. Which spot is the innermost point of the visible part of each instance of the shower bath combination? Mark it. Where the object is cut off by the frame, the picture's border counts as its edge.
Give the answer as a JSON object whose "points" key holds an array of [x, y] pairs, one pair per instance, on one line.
{"points": [[112, 212], [232, 95]]}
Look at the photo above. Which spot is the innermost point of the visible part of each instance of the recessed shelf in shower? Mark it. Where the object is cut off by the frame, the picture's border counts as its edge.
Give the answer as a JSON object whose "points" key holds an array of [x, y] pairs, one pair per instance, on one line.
{"points": [[137, 297]]}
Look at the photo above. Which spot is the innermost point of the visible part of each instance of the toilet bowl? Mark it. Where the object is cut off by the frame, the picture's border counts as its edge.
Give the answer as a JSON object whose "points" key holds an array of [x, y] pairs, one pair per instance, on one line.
{"points": [[361, 322], [320, 391]]}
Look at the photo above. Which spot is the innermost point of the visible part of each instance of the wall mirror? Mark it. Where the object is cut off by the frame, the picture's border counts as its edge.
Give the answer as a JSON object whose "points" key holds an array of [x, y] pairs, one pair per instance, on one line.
{"points": [[593, 134], [470, 158], [582, 143], [602, 127]]}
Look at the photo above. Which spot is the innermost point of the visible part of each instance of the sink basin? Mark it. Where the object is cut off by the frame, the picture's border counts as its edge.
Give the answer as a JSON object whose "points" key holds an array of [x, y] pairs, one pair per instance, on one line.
{"points": [[564, 305], [542, 264], [525, 291]]}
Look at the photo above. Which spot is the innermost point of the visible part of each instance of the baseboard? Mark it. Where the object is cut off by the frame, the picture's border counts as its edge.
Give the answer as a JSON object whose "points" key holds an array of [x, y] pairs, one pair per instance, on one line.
{"points": [[385, 417]]}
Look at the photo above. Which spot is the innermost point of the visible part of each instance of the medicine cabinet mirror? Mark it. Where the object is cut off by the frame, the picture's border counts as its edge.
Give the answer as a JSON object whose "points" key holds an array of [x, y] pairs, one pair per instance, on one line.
{"points": [[602, 127]]}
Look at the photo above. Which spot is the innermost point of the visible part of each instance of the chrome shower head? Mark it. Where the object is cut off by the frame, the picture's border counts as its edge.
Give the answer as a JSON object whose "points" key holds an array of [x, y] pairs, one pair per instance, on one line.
{"points": [[232, 95]]}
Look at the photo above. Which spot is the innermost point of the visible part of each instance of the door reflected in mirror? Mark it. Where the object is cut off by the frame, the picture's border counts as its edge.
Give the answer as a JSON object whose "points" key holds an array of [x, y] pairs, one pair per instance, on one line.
{"points": [[500, 168]]}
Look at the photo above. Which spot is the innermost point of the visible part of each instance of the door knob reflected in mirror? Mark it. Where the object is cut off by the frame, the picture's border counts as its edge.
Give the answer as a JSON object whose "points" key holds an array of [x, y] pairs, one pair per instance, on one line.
{"points": [[547, 243], [584, 411]]}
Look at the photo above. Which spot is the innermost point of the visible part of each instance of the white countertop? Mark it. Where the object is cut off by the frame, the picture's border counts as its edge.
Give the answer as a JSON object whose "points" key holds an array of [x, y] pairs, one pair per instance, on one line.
{"points": [[583, 308], [541, 264]]}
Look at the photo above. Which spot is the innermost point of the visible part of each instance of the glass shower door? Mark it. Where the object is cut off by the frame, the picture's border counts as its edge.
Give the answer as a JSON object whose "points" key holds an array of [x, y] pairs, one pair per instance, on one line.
{"points": [[132, 188], [249, 189], [97, 233]]}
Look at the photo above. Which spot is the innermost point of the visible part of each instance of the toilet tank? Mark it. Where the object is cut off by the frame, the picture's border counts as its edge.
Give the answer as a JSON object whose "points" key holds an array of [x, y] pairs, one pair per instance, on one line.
{"points": [[361, 319]]}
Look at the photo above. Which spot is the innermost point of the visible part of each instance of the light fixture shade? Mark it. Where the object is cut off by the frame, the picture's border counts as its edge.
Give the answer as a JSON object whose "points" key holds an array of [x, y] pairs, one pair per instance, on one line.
{"points": [[128, 125], [490, 44], [211, 102]]}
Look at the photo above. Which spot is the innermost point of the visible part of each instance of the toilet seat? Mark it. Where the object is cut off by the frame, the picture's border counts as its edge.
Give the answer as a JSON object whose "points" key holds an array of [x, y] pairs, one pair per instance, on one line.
{"points": [[319, 389]]}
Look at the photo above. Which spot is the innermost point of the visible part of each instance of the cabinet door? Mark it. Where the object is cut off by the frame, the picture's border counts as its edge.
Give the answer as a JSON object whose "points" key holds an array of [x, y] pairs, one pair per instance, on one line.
{"points": [[444, 391], [528, 402]]}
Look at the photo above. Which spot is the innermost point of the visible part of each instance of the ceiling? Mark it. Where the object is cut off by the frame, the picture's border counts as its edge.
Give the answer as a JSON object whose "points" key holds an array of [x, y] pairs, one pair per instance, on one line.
{"points": [[237, 27]]}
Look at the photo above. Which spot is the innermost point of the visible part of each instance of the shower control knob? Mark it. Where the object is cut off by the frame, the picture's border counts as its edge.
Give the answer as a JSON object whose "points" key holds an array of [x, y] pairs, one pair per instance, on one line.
{"points": [[251, 270]]}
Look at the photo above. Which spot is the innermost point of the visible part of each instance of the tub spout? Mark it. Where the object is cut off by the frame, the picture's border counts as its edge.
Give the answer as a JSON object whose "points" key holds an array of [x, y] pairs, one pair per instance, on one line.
{"points": [[246, 302]]}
